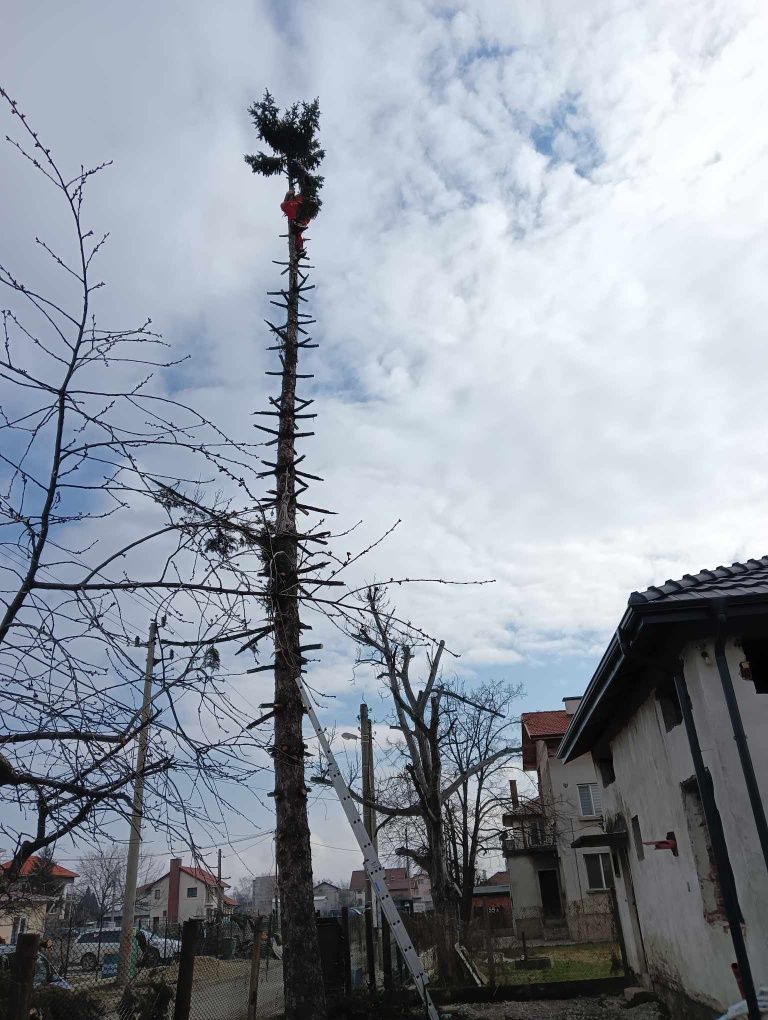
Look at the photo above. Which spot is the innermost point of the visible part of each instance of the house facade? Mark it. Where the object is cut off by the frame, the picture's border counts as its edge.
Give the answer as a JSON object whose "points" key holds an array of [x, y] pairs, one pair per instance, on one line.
{"points": [[330, 898], [676, 716], [557, 889], [29, 905], [184, 893], [411, 893]]}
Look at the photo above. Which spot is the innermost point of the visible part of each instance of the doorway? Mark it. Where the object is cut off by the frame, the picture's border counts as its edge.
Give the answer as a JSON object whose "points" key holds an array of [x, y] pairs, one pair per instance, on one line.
{"points": [[549, 886]]}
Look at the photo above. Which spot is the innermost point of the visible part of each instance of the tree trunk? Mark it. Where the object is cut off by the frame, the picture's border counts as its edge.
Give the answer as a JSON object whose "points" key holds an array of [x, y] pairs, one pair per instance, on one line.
{"points": [[302, 975]]}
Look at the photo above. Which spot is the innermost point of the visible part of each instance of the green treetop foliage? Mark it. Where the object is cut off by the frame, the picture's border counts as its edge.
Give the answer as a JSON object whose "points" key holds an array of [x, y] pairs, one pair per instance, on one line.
{"points": [[292, 138]]}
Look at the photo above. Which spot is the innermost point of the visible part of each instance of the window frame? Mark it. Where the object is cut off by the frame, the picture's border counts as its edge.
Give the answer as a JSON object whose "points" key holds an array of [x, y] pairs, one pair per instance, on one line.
{"points": [[606, 871], [191, 892], [595, 799]]}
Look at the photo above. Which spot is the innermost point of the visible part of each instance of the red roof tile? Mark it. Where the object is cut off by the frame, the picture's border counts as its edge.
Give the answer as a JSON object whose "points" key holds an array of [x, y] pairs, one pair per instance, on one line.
{"points": [[32, 862], [540, 726], [396, 878], [546, 724]]}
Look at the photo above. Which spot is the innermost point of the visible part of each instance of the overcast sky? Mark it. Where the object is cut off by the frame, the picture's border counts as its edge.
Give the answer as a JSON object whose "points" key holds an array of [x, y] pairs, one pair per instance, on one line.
{"points": [[541, 269]]}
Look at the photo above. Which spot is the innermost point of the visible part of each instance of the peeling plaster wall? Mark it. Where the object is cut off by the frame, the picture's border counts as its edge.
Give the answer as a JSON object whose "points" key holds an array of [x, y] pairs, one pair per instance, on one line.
{"points": [[684, 950]]}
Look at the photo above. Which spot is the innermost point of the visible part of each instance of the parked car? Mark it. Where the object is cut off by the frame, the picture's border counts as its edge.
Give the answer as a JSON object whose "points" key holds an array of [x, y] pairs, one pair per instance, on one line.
{"points": [[44, 971], [90, 948]]}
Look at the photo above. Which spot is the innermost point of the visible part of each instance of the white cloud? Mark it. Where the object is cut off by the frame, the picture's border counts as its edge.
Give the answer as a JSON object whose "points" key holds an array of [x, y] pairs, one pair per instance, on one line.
{"points": [[548, 362]]}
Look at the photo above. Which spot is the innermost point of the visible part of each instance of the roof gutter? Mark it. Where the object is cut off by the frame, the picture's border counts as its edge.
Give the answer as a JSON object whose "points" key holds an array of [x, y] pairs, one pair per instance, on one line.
{"points": [[742, 744], [618, 650]]}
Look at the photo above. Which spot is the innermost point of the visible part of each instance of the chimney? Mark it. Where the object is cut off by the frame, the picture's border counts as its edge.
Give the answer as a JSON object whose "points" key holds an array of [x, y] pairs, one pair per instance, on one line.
{"points": [[174, 880], [571, 704], [513, 793]]}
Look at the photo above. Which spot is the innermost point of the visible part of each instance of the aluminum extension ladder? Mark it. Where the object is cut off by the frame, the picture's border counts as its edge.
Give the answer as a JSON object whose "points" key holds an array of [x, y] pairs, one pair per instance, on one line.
{"points": [[372, 863]]}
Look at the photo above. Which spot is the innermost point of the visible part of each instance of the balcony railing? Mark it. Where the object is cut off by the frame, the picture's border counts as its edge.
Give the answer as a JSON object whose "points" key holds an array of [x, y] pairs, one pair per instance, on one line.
{"points": [[530, 838]]}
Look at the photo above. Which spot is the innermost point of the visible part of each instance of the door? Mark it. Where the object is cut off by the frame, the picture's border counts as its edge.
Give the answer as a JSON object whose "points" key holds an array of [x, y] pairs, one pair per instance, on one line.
{"points": [[634, 938], [549, 886]]}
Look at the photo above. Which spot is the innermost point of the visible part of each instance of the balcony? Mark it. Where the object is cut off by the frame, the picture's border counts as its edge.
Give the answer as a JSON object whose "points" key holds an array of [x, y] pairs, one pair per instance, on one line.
{"points": [[529, 839]]}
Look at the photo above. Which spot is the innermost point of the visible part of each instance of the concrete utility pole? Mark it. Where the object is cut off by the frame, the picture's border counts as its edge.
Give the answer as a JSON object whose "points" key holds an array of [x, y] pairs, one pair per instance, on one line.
{"points": [[219, 891], [134, 843]]}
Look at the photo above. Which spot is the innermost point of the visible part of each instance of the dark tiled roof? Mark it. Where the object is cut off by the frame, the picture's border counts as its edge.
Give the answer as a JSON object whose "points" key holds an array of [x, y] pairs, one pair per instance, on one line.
{"points": [[738, 579], [685, 611]]}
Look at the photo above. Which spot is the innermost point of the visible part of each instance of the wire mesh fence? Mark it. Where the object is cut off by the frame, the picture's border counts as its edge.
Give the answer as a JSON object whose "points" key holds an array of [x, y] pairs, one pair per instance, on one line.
{"points": [[223, 970]]}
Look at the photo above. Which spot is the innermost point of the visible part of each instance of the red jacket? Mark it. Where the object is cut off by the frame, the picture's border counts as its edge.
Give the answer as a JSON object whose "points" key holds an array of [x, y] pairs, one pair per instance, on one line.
{"points": [[291, 208]]}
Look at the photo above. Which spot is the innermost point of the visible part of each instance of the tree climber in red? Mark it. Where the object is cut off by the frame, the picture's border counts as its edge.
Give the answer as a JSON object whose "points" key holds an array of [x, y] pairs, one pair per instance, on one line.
{"points": [[299, 211]]}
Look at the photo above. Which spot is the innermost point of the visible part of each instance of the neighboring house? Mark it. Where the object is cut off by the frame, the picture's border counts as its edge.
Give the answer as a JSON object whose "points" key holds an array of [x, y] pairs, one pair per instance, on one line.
{"points": [[328, 899], [26, 908], [676, 707], [184, 893], [556, 889], [264, 895], [413, 895], [421, 891], [493, 896], [142, 918]]}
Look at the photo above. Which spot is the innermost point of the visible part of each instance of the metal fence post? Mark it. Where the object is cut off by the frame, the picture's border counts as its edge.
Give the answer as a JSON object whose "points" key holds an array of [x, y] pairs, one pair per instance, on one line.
{"points": [[22, 976], [186, 971], [253, 983]]}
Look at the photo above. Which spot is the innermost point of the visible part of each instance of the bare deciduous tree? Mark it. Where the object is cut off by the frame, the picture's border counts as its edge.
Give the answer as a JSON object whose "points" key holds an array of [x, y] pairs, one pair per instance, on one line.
{"points": [[113, 506], [426, 726]]}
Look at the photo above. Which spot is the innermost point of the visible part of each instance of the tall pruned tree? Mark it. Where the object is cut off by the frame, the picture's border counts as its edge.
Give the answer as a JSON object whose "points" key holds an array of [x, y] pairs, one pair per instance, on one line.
{"points": [[294, 153]]}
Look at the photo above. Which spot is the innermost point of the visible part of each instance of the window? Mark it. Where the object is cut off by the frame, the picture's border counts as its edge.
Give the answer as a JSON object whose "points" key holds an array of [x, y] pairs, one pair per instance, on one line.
{"points": [[755, 666], [599, 875], [590, 800], [18, 927], [638, 838], [669, 703], [703, 856], [191, 892], [157, 894]]}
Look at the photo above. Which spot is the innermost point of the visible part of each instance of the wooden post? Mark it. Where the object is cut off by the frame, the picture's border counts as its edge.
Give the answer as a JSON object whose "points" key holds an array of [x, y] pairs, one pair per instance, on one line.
{"points": [[370, 950], [347, 950], [253, 986], [22, 976], [386, 951], [186, 971], [618, 929]]}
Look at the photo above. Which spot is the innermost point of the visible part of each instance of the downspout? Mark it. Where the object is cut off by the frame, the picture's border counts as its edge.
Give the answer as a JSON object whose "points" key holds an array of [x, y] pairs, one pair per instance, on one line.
{"points": [[742, 745], [719, 846]]}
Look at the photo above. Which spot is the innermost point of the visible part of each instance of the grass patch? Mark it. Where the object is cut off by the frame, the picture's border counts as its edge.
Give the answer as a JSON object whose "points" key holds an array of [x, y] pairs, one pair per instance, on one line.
{"points": [[578, 962]]}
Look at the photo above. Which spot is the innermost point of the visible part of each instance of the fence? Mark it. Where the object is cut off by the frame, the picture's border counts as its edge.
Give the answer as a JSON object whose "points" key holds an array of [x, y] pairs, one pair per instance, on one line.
{"points": [[513, 956], [228, 970]]}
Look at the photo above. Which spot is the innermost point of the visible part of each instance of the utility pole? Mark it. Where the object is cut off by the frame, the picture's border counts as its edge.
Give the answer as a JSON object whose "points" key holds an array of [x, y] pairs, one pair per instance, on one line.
{"points": [[134, 842], [219, 891], [369, 821]]}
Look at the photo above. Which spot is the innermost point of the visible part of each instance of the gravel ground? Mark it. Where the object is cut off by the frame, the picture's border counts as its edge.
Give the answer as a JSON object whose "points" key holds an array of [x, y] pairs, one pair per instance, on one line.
{"points": [[602, 1008]]}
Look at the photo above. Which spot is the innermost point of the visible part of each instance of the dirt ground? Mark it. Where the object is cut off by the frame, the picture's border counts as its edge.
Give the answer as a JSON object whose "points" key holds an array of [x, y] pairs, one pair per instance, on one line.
{"points": [[602, 1008]]}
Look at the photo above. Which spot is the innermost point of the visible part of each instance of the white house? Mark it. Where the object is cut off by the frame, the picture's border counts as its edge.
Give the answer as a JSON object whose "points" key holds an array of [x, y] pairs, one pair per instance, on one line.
{"points": [[676, 716], [184, 893], [556, 889]]}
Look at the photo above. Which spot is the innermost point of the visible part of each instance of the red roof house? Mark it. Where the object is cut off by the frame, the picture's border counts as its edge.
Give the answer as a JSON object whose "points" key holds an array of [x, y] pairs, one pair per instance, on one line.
{"points": [[547, 726]]}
